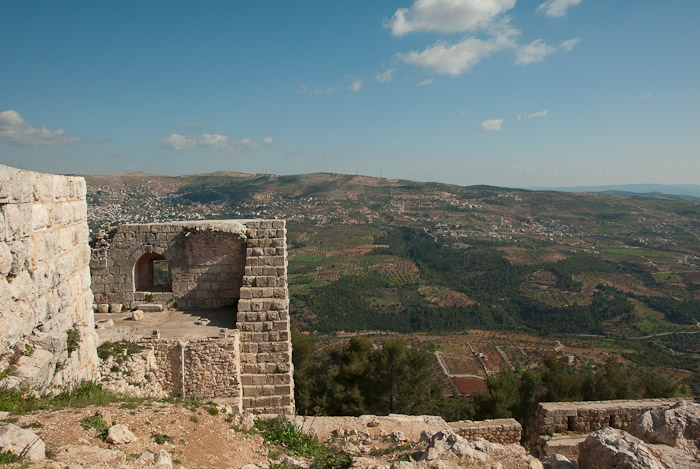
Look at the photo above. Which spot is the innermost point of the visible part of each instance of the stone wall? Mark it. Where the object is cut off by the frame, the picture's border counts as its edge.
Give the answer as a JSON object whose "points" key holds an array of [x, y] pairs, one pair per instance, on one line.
{"points": [[206, 262], [211, 366], [216, 263], [263, 319], [561, 417], [504, 431], [47, 336]]}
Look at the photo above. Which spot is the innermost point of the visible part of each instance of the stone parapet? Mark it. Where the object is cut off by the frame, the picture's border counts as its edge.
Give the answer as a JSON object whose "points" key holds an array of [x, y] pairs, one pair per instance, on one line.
{"points": [[504, 431], [45, 295], [561, 417]]}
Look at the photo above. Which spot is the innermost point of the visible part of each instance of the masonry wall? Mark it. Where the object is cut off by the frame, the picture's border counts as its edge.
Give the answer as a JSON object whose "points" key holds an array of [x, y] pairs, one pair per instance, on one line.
{"points": [[211, 366], [263, 319], [560, 417], [45, 296], [206, 263], [216, 263], [504, 431]]}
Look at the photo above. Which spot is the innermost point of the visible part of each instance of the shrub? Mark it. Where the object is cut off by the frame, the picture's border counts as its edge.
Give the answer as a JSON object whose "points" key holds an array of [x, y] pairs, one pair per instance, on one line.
{"points": [[280, 431], [98, 423], [72, 340]]}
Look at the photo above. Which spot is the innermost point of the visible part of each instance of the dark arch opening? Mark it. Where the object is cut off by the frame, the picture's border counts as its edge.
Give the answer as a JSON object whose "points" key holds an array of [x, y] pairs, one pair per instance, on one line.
{"points": [[152, 274]]}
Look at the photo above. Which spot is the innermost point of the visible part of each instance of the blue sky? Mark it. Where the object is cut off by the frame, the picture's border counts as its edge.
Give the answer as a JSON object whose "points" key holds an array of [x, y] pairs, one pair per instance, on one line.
{"points": [[505, 92]]}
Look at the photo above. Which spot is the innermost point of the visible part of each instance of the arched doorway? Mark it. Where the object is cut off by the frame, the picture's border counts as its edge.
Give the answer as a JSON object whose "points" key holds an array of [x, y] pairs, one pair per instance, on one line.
{"points": [[152, 274]]}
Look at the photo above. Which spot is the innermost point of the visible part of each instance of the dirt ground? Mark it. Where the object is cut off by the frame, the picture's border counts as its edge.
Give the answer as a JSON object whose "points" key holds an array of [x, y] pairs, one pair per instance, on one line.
{"points": [[197, 439]]}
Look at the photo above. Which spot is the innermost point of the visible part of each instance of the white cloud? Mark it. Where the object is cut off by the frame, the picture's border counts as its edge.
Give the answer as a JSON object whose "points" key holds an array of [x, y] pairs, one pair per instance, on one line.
{"points": [[446, 15], [303, 88], [355, 86], [385, 77], [459, 58], [453, 59], [329, 90], [569, 44], [647, 96], [492, 124], [427, 82], [534, 52], [220, 143], [217, 141], [542, 113], [557, 8], [14, 128], [177, 142]]}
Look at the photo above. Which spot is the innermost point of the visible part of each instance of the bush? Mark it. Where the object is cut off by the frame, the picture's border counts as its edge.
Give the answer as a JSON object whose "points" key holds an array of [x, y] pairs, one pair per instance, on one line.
{"points": [[73, 340], [98, 423], [282, 432]]}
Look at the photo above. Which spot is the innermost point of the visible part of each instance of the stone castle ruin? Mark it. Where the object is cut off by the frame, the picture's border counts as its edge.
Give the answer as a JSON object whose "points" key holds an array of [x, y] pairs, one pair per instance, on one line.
{"points": [[232, 270], [47, 326], [240, 264]]}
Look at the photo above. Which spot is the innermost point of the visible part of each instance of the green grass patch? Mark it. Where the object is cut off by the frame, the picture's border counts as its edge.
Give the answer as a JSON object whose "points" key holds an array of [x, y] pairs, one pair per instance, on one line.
{"points": [[17, 402], [98, 424], [607, 230], [633, 252], [161, 438], [117, 350], [284, 433], [308, 258], [8, 457], [668, 277]]}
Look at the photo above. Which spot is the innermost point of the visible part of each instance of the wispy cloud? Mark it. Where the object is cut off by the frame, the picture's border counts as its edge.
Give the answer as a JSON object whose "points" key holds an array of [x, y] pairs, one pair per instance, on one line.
{"points": [[14, 128], [492, 124], [569, 44], [221, 144], [455, 59], [542, 113], [329, 90], [534, 52], [446, 16], [385, 77], [557, 8], [647, 96], [426, 82], [355, 86], [538, 50]]}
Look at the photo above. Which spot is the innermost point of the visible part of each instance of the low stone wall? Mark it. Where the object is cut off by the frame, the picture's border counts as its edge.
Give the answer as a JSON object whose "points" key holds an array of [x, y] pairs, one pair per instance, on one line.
{"points": [[47, 336], [504, 431], [211, 368], [560, 417]]}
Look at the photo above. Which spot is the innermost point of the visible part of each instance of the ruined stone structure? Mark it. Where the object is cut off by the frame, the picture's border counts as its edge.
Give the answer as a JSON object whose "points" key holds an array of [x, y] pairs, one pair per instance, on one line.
{"points": [[47, 336], [211, 368], [196, 265], [504, 431], [561, 417], [189, 265]]}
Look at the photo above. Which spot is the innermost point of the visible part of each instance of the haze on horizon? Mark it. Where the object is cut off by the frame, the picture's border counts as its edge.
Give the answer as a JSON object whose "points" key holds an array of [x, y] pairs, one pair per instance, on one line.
{"points": [[501, 92]]}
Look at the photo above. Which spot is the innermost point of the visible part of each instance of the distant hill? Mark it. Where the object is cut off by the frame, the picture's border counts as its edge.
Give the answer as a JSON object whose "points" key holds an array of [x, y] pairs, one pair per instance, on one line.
{"points": [[646, 190]]}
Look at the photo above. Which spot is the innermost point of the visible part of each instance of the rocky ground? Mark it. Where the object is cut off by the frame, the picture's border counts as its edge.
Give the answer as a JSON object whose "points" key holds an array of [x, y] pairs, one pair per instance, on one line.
{"points": [[148, 433]]}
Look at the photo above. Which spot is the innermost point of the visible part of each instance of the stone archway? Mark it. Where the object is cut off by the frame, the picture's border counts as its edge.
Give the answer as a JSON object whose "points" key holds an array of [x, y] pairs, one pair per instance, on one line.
{"points": [[152, 274]]}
